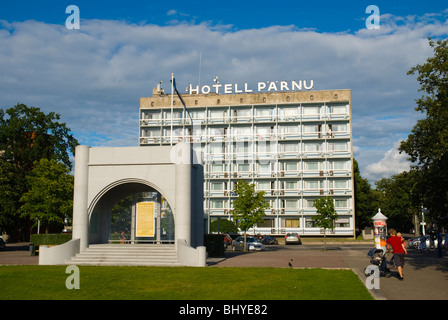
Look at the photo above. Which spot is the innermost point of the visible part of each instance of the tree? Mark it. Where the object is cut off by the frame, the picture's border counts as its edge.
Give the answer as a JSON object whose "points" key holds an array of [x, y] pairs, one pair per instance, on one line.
{"points": [[326, 215], [223, 226], [50, 198], [248, 207], [399, 196], [11, 189], [427, 145], [365, 199], [28, 135]]}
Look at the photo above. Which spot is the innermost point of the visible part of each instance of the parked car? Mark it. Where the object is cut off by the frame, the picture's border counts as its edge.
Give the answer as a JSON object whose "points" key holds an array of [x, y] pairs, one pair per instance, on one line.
{"points": [[415, 242], [251, 243], [292, 238], [2, 244]]}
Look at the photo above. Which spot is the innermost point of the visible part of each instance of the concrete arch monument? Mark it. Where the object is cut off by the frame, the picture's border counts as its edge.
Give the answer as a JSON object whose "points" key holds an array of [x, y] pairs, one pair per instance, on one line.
{"points": [[104, 174]]}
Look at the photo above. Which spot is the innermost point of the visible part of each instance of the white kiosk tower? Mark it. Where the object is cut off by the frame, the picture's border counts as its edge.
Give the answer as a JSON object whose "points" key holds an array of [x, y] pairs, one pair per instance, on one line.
{"points": [[380, 230]]}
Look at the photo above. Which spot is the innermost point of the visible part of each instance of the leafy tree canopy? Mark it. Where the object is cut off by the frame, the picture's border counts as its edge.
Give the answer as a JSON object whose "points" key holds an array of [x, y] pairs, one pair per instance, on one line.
{"points": [[50, 198]]}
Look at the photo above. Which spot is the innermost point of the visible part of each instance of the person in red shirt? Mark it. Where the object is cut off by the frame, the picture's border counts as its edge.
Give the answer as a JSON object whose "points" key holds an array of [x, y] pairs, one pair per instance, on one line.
{"points": [[398, 247]]}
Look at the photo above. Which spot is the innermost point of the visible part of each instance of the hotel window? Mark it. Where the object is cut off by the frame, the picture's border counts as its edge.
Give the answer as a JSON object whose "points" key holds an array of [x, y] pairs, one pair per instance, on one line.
{"points": [[288, 112], [342, 223], [338, 184], [243, 167], [242, 114], [218, 186], [290, 223], [289, 147], [312, 184], [243, 132], [218, 168], [197, 114], [151, 115], [267, 223], [311, 111], [218, 114], [312, 129], [338, 109], [217, 147], [264, 113], [339, 127], [340, 203], [289, 204], [218, 132], [309, 203], [290, 166], [310, 223], [264, 168], [217, 204], [338, 164], [241, 147], [151, 133], [312, 146], [264, 185], [337, 146], [311, 165], [291, 185], [289, 130]]}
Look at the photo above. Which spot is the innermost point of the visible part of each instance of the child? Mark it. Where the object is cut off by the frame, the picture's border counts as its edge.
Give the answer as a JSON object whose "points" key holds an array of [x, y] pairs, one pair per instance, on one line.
{"points": [[403, 243]]}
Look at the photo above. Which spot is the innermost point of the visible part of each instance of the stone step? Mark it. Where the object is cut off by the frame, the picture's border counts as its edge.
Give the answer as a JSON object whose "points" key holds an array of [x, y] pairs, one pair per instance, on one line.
{"points": [[127, 254]]}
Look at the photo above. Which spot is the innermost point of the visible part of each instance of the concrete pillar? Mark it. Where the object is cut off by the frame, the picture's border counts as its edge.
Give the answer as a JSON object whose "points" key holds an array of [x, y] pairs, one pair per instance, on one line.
{"points": [[183, 194], [80, 214]]}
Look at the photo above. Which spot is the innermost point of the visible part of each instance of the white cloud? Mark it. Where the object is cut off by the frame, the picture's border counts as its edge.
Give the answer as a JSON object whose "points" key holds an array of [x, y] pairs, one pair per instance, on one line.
{"points": [[95, 76], [392, 163]]}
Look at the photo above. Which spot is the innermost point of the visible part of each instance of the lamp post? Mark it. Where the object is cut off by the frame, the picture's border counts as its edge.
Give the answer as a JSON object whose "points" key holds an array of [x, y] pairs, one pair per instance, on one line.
{"points": [[380, 230]]}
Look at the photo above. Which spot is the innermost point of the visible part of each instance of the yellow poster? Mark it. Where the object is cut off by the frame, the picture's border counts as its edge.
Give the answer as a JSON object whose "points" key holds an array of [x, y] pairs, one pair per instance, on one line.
{"points": [[145, 219]]}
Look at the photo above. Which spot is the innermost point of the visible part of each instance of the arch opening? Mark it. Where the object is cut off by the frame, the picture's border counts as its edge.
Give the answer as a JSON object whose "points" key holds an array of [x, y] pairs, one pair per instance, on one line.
{"points": [[122, 211]]}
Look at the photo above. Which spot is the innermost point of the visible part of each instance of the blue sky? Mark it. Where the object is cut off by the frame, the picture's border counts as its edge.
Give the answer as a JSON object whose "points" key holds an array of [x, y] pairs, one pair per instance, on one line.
{"points": [[322, 16], [95, 76]]}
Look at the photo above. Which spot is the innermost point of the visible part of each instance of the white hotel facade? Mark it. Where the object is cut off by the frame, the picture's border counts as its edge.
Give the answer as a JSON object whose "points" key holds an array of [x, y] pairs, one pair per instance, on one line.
{"points": [[294, 145]]}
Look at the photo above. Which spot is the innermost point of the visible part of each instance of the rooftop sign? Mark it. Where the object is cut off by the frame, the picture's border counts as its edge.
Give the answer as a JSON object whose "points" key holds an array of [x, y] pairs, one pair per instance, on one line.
{"points": [[263, 86]]}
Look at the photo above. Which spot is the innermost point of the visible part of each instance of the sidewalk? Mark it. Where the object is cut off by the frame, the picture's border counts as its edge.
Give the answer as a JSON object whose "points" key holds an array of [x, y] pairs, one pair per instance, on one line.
{"points": [[425, 275]]}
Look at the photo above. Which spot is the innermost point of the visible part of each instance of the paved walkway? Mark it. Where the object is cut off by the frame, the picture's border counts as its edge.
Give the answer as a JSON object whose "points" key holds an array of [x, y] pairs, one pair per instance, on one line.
{"points": [[426, 275]]}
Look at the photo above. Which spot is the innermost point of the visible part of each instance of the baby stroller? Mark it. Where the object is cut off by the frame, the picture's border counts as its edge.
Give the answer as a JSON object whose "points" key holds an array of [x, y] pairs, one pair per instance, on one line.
{"points": [[378, 258]]}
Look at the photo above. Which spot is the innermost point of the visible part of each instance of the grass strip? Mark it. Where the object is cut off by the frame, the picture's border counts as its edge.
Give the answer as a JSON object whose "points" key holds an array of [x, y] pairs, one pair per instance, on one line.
{"points": [[180, 283]]}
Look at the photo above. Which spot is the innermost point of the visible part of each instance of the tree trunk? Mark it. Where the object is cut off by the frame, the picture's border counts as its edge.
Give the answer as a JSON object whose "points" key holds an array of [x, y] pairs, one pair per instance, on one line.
{"points": [[244, 243]]}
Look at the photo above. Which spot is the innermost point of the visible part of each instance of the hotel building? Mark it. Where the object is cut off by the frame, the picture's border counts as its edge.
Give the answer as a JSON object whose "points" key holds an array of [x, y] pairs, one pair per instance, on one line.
{"points": [[294, 145]]}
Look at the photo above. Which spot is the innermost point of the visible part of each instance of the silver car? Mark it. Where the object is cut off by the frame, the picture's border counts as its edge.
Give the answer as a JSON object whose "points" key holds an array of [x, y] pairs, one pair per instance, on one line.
{"points": [[292, 238], [251, 243]]}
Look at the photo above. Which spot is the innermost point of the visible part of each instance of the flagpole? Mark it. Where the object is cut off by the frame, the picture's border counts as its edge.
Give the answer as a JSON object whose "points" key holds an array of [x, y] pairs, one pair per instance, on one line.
{"points": [[172, 104]]}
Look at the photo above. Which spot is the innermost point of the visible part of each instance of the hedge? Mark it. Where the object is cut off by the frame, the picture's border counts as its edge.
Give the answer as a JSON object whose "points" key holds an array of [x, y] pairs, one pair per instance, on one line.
{"points": [[49, 239]]}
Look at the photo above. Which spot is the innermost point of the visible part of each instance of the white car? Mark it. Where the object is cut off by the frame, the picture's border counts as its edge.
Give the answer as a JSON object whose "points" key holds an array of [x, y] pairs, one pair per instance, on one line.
{"points": [[292, 238], [251, 243]]}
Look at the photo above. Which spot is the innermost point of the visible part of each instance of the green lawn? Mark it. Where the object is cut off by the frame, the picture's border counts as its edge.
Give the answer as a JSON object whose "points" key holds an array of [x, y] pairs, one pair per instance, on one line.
{"points": [[180, 283]]}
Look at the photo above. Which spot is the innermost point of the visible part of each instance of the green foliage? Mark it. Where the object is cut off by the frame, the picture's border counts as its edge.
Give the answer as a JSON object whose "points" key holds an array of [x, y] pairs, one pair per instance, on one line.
{"points": [[249, 206], [225, 226], [399, 198], [50, 239], [326, 213], [50, 198], [365, 199], [427, 145], [12, 186], [28, 135]]}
